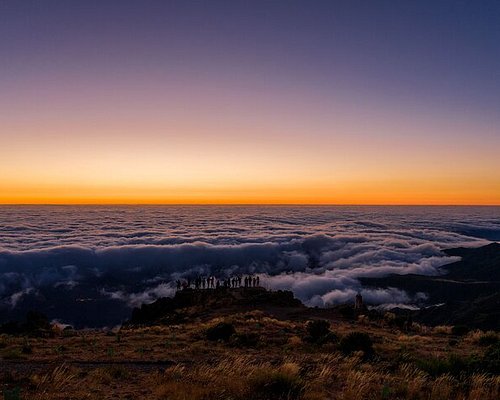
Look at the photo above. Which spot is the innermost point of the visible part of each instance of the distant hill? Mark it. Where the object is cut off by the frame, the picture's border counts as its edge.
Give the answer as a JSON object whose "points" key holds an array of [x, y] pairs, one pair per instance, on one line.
{"points": [[482, 263], [467, 293]]}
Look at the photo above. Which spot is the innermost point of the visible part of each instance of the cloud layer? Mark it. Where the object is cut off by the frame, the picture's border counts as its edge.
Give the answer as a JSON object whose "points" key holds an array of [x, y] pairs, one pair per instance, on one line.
{"points": [[132, 254]]}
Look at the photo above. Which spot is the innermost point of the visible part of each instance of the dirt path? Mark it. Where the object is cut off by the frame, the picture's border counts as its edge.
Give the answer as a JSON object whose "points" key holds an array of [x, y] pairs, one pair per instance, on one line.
{"points": [[35, 366]]}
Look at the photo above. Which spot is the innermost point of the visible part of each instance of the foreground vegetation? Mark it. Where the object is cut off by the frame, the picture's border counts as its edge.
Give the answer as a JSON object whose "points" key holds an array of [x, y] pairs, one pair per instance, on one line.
{"points": [[252, 355]]}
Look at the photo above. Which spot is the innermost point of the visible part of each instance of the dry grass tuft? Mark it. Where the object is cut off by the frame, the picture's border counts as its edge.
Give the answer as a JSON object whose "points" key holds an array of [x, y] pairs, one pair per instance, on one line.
{"points": [[54, 382]]}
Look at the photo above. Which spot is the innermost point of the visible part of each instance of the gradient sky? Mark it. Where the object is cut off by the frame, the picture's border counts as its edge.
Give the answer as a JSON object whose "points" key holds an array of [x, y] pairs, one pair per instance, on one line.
{"points": [[341, 102]]}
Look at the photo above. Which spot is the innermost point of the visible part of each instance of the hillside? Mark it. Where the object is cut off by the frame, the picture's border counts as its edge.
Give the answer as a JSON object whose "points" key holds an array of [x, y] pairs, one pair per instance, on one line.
{"points": [[468, 291], [244, 344]]}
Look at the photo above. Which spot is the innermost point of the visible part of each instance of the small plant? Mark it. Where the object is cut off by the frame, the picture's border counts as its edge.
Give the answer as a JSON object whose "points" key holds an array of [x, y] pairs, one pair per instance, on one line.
{"points": [[222, 331], [110, 352], [357, 341], [55, 381], [282, 384]]}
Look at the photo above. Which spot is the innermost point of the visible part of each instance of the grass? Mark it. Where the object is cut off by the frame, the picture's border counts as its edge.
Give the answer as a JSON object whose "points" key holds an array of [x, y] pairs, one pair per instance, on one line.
{"points": [[13, 354], [267, 358]]}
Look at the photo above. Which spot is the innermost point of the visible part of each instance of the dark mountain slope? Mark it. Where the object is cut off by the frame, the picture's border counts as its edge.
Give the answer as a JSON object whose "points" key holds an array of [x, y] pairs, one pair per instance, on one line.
{"points": [[468, 292]]}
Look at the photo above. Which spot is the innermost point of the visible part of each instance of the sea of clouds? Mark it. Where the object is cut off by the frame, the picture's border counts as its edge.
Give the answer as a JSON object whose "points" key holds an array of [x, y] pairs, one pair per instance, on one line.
{"points": [[133, 254]]}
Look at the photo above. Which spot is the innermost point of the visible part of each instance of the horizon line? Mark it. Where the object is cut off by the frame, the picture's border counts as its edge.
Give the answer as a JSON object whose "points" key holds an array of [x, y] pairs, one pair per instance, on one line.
{"points": [[259, 204]]}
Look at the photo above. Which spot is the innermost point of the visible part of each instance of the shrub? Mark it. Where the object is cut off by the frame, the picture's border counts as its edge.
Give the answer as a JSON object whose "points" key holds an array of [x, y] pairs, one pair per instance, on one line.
{"points": [[460, 330], [457, 366], [319, 332], [491, 360], [222, 331], [318, 328], [357, 341], [282, 384], [453, 365], [488, 338]]}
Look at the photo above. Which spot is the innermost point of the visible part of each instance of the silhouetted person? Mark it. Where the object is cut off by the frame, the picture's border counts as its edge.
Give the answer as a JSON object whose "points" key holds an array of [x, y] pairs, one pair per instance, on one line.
{"points": [[258, 281], [358, 303]]}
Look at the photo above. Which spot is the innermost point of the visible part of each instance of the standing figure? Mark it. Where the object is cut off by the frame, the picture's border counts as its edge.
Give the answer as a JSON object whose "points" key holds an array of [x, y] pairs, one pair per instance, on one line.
{"points": [[358, 303]]}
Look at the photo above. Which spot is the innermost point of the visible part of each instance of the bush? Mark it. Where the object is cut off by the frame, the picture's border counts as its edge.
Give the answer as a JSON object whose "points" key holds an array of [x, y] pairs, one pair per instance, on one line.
{"points": [[488, 338], [318, 328], [282, 384], [357, 341], [319, 332], [460, 330], [453, 365], [222, 331], [490, 362]]}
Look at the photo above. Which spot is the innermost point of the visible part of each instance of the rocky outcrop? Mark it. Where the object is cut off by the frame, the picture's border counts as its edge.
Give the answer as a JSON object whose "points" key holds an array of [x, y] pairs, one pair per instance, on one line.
{"points": [[189, 303]]}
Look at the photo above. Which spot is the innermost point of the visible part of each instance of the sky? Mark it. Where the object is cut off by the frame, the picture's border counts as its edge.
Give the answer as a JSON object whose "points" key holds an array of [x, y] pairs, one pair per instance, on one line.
{"points": [[314, 102]]}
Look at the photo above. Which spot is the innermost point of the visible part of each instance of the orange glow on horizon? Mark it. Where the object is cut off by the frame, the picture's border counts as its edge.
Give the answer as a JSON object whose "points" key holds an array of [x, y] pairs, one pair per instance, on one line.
{"points": [[435, 192]]}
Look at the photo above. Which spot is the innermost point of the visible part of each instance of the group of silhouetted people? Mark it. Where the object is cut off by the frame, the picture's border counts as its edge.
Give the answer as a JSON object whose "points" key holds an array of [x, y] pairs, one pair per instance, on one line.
{"points": [[213, 283]]}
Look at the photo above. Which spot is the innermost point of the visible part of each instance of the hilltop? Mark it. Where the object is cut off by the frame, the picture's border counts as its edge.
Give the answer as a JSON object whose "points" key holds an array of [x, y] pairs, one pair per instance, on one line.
{"points": [[189, 304]]}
